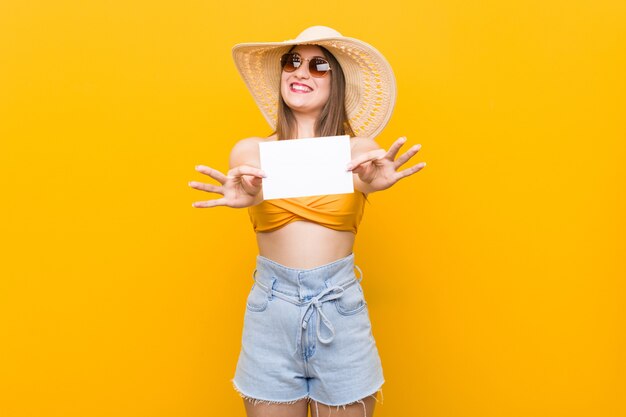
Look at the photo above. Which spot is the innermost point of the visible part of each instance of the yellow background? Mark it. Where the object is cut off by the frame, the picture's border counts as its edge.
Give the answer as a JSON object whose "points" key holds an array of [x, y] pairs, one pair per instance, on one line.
{"points": [[495, 277]]}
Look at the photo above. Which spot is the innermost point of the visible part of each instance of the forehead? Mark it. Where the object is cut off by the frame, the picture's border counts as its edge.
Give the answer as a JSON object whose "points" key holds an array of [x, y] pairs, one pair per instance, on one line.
{"points": [[308, 50]]}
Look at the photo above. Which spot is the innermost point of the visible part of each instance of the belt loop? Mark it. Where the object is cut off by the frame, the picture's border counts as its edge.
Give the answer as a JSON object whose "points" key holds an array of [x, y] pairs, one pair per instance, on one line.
{"points": [[360, 273], [271, 289]]}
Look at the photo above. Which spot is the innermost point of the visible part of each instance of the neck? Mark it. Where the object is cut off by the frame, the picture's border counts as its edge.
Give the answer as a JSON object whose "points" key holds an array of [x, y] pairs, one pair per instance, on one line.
{"points": [[305, 123]]}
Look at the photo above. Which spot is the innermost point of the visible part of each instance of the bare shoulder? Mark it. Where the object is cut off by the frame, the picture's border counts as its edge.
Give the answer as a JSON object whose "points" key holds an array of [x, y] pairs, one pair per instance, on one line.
{"points": [[246, 152], [247, 144], [360, 144]]}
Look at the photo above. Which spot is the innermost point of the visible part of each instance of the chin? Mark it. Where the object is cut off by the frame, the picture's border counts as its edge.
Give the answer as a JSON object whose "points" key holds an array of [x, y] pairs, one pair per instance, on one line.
{"points": [[302, 107]]}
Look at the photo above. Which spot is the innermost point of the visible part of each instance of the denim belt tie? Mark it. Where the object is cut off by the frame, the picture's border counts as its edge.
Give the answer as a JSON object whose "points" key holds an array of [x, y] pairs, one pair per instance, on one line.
{"points": [[315, 303], [331, 293]]}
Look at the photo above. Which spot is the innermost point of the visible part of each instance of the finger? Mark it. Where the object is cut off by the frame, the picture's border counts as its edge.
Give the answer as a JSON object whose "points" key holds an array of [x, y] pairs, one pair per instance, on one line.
{"points": [[361, 169], [366, 157], [251, 185], [256, 181], [213, 173], [410, 171], [393, 150], [406, 156], [210, 203], [246, 170], [206, 187]]}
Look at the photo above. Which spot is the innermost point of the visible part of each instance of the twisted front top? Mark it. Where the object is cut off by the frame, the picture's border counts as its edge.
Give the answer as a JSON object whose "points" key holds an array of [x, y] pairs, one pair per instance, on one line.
{"points": [[338, 212]]}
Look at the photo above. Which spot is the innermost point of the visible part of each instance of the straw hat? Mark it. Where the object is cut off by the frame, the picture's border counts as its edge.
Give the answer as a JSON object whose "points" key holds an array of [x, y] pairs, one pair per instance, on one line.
{"points": [[370, 83]]}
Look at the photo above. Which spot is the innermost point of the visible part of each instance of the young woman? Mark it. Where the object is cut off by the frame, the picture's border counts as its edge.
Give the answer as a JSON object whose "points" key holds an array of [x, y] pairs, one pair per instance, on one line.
{"points": [[307, 336]]}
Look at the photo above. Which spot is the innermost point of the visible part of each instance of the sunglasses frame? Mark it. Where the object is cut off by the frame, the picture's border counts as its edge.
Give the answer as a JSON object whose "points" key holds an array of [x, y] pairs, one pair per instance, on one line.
{"points": [[311, 71]]}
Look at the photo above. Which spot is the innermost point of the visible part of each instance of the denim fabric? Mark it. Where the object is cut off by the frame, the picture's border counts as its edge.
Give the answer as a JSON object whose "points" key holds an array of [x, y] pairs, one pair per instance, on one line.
{"points": [[307, 334]]}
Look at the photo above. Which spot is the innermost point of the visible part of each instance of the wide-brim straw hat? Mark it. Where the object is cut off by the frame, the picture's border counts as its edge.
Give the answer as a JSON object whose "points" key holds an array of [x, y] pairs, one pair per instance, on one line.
{"points": [[370, 83]]}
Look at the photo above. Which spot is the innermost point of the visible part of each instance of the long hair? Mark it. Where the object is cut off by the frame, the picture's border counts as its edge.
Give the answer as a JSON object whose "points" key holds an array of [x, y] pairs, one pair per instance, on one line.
{"points": [[333, 119]]}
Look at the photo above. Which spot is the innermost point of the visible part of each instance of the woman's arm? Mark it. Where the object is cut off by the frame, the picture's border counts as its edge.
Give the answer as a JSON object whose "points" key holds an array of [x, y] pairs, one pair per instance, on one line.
{"points": [[242, 186], [378, 170]]}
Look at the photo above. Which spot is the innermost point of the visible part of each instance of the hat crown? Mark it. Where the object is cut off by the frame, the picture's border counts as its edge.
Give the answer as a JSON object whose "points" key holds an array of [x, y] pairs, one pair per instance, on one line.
{"points": [[316, 33]]}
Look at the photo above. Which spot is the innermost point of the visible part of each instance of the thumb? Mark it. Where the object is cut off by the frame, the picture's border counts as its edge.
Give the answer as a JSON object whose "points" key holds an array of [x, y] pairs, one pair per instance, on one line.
{"points": [[359, 170], [256, 181], [362, 168]]}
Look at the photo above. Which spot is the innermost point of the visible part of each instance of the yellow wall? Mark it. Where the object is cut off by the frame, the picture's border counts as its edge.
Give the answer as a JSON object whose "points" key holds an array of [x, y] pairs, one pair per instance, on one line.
{"points": [[495, 277]]}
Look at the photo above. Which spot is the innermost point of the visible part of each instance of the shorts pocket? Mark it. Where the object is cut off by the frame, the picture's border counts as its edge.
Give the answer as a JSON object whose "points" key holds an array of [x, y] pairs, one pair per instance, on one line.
{"points": [[257, 299], [352, 301]]}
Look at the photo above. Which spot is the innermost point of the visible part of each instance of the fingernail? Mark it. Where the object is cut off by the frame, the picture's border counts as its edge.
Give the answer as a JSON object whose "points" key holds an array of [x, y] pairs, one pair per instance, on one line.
{"points": [[189, 184], [193, 205], [349, 167], [199, 167]]}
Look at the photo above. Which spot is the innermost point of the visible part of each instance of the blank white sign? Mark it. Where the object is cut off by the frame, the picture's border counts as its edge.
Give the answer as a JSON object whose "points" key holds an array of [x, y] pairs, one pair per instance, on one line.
{"points": [[306, 167]]}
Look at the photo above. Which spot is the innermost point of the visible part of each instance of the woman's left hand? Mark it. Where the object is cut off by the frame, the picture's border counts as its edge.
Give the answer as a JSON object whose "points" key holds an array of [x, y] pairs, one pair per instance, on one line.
{"points": [[379, 169]]}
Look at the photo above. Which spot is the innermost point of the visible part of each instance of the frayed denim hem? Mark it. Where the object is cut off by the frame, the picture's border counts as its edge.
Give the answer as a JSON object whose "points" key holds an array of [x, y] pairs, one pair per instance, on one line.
{"points": [[256, 401], [359, 401]]}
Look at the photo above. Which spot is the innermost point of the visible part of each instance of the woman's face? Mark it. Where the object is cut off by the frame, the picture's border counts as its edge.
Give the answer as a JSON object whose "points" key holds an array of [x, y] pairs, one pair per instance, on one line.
{"points": [[302, 92]]}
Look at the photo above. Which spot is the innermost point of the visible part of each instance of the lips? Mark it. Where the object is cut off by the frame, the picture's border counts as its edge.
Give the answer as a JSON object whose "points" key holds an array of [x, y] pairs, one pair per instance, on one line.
{"points": [[300, 88]]}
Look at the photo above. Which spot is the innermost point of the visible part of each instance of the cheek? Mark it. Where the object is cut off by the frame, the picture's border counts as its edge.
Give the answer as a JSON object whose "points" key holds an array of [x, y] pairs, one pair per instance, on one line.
{"points": [[283, 84], [326, 90]]}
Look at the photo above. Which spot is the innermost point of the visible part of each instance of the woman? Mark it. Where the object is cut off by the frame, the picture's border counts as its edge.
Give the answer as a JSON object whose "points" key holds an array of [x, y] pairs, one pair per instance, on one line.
{"points": [[307, 335]]}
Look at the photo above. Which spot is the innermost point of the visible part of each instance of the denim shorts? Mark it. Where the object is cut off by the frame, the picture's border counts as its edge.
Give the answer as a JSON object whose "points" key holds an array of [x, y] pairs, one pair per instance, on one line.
{"points": [[307, 334]]}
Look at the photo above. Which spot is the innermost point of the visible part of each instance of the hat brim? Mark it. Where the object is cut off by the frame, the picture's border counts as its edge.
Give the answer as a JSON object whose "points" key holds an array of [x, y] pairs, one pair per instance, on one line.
{"points": [[370, 82]]}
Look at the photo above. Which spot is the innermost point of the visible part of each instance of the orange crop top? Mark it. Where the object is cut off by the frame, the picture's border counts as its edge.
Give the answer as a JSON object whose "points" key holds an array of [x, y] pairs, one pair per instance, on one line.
{"points": [[336, 211]]}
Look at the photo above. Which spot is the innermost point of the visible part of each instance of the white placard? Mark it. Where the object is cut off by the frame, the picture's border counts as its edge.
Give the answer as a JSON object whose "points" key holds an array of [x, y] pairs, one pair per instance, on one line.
{"points": [[306, 167]]}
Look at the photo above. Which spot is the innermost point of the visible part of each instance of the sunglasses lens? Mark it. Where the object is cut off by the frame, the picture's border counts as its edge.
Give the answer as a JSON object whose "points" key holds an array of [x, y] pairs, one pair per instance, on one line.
{"points": [[318, 67], [290, 62]]}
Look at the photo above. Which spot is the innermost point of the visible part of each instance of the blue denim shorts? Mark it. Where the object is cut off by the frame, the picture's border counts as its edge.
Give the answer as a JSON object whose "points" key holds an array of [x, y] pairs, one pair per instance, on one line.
{"points": [[307, 334]]}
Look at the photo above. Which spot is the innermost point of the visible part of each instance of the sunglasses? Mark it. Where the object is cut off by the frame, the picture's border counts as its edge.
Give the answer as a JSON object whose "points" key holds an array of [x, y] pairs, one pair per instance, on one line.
{"points": [[318, 66]]}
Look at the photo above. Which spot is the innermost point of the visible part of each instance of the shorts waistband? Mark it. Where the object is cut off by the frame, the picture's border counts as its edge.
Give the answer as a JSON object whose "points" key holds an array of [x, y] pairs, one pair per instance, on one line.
{"points": [[305, 282], [308, 288]]}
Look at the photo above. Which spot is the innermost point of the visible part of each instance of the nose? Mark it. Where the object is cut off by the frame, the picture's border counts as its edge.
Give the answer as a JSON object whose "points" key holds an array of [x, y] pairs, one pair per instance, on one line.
{"points": [[303, 70]]}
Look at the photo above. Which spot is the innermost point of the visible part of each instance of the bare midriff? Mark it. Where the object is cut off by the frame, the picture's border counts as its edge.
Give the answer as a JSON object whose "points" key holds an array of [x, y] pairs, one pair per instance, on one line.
{"points": [[305, 245]]}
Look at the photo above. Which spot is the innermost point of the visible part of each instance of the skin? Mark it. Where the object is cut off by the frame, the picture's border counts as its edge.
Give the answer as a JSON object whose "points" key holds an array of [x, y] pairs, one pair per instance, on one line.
{"points": [[302, 244]]}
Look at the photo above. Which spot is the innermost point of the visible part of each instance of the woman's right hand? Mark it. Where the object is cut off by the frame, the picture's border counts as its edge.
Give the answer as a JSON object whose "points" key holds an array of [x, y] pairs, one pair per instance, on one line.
{"points": [[240, 188]]}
